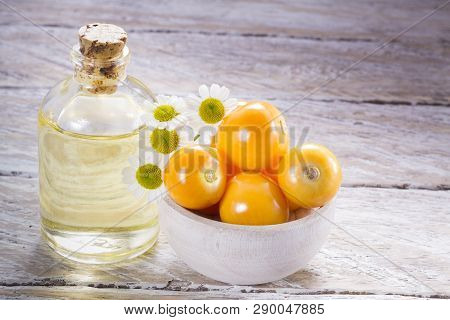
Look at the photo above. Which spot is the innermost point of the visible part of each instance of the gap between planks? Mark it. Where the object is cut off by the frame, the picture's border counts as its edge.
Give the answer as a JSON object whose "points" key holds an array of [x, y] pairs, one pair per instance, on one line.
{"points": [[224, 33], [405, 186], [180, 286], [358, 101]]}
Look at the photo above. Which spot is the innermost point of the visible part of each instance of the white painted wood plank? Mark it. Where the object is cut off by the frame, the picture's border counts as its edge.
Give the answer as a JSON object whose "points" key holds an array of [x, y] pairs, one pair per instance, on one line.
{"points": [[252, 67], [86, 293], [345, 20]]}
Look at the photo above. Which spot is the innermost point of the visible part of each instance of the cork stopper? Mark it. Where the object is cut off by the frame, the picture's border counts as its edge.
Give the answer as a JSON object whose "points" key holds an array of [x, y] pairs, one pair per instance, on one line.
{"points": [[101, 41], [102, 57]]}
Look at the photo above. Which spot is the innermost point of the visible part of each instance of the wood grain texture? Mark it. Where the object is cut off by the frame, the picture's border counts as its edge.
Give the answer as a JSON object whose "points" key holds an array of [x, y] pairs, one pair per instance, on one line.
{"points": [[323, 20], [387, 120], [90, 293], [408, 256], [266, 67]]}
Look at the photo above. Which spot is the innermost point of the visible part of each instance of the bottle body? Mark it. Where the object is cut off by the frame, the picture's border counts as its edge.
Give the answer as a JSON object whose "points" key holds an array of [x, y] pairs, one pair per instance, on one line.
{"points": [[86, 140]]}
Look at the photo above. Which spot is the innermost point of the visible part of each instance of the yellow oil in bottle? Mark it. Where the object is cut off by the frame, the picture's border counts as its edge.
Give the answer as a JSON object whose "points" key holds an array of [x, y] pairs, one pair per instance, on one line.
{"points": [[88, 213]]}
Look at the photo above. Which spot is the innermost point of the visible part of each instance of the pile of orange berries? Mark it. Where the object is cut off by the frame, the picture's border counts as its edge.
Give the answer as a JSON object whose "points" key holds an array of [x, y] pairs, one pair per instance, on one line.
{"points": [[249, 175]]}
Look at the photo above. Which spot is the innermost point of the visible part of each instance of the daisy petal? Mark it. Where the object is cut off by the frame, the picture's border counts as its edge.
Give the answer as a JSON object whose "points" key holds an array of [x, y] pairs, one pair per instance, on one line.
{"points": [[146, 116], [181, 103], [133, 187], [178, 122], [162, 125], [185, 138], [156, 194], [193, 101], [138, 193], [147, 105], [203, 91], [215, 91], [224, 93], [182, 118], [134, 162], [161, 99], [128, 175], [206, 134]]}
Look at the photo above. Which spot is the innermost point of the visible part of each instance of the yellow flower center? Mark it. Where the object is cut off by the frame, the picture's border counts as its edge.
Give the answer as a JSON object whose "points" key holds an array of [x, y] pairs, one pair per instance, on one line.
{"points": [[164, 141], [165, 113], [211, 110], [149, 176]]}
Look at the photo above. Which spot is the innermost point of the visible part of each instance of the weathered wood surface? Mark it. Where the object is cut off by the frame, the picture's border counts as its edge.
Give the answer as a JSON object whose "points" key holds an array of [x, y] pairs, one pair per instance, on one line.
{"points": [[410, 237], [387, 120], [252, 66], [89, 293], [341, 20]]}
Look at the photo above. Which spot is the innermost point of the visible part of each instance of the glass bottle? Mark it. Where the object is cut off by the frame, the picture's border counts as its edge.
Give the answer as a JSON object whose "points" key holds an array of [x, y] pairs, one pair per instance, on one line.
{"points": [[89, 127]]}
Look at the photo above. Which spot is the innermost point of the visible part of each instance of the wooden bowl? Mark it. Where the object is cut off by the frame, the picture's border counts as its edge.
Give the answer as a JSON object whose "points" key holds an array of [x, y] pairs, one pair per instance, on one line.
{"points": [[245, 255]]}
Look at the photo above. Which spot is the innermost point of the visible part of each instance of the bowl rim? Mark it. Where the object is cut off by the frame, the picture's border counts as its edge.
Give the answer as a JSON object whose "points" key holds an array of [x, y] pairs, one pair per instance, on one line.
{"points": [[194, 217]]}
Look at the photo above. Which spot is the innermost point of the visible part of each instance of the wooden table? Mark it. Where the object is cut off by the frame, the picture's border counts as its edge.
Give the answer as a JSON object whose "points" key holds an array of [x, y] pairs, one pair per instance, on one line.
{"points": [[387, 119]]}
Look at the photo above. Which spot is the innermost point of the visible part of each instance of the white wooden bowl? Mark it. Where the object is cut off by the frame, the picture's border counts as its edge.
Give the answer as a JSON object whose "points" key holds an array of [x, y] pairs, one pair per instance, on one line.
{"points": [[244, 255]]}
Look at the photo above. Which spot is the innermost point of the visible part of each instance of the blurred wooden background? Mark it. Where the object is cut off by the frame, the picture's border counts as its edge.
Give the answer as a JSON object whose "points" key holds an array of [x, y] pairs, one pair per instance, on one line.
{"points": [[387, 119]]}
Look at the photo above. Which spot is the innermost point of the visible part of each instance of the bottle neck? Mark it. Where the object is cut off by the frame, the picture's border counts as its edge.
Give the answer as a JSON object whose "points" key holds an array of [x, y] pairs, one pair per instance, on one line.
{"points": [[100, 76]]}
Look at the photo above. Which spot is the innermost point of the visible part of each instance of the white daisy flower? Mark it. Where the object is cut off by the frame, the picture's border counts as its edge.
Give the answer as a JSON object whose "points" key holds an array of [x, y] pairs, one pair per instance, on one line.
{"points": [[167, 112], [208, 109], [145, 180]]}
